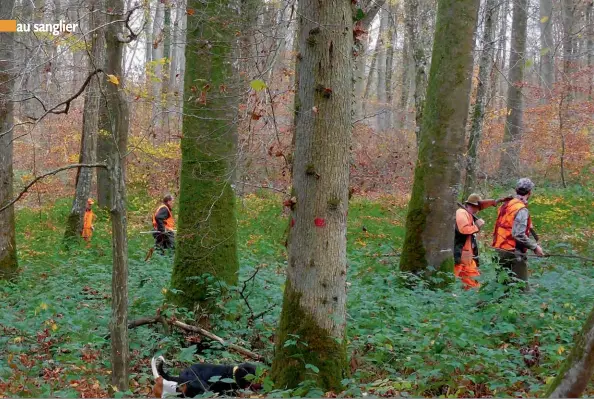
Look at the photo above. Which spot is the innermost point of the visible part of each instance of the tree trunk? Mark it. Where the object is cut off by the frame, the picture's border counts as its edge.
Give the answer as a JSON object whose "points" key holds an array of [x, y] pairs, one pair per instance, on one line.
{"points": [[207, 232], [88, 144], [370, 75], [437, 175], [157, 57], [499, 84], [148, 33], [381, 49], [406, 81], [576, 371], [546, 46], [105, 149], [119, 120], [510, 153], [370, 8], [478, 114], [8, 255], [314, 303], [417, 27], [393, 39]]}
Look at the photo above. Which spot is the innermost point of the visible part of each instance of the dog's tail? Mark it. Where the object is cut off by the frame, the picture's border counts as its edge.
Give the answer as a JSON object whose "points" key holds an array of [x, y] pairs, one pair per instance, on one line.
{"points": [[159, 371]]}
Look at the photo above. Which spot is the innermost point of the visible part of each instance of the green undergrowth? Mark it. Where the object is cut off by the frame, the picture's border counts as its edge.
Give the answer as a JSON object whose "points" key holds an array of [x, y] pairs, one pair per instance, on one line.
{"points": [[415, 342]]}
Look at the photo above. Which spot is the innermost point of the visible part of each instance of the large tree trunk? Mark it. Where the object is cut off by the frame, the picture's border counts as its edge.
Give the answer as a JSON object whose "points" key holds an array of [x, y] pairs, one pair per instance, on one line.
{"points": [[88, 143], [437, 174], [8, 255], [546, 46], [118, 115], [314, 303], [478, 113], [590, 45], [510, 152], [207, 231], [576, 371]]}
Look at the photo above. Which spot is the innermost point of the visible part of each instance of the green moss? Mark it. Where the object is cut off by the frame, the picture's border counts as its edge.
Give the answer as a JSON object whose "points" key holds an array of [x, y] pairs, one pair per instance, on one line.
{"points": [[8, 264], [310, 169], [207, 229], [333, 203], [322, 350]]}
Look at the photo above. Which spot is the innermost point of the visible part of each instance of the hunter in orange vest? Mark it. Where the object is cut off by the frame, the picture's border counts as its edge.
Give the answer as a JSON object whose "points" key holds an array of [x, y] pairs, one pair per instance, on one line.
{"points": [[88, 220], [511, 238], [164, 225], [465, 245]]}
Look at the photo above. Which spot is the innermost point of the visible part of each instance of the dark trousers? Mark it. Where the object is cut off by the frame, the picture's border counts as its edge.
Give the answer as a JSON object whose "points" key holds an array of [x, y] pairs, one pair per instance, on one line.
{"points": [[164, 240], [515, 265]]}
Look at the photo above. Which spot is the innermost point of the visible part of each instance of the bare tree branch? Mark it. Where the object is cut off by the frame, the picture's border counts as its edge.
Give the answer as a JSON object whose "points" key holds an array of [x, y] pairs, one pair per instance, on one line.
{"points": [[51, 173]]}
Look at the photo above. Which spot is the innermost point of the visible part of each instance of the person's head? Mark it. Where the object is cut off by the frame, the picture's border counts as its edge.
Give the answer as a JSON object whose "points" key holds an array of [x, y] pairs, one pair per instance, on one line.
{"points": [[473, 203], [168, 200], [90, 202], [524, 187]]}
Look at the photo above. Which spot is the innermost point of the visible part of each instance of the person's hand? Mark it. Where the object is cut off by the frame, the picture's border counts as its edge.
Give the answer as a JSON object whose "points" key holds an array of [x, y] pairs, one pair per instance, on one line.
{"points": [[479, 223], [92, 228], [538, 251]]}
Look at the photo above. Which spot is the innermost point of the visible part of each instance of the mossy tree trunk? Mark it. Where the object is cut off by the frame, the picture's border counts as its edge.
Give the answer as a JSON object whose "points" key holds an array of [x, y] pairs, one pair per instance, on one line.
{"points": [[88, 143], [576, 372], [478, 112], [118, 116], [207, 230], [8, 255], [430, 219], [509, 167], [313, 319]]}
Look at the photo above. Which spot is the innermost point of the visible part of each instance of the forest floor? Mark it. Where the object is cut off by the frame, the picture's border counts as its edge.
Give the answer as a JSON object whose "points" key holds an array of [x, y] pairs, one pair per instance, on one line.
{"points": [[414, 342]]}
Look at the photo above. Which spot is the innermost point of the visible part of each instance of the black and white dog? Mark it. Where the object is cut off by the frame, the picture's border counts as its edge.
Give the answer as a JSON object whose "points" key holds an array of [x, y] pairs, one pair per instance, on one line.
{"points": [[196, 379]]}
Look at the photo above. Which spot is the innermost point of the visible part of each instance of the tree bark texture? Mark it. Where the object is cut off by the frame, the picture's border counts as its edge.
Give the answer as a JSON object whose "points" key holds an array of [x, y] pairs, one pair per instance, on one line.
{"points": [[157, 59], [393, 40], [314, 303], [88, 144], [118, 116], [576, 371], [206, 248], [437, 173], [478, 112], [510, 151], [8, 254]]}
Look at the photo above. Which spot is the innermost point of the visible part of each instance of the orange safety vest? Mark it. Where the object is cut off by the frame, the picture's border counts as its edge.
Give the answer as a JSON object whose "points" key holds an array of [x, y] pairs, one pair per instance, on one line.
{"points": [[502, 236], [169, 222], [88, 223]]}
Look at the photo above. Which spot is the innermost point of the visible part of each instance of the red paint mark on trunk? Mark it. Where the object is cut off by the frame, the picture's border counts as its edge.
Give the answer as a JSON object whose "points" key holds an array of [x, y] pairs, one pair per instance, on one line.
{"points": [[320, 222]]}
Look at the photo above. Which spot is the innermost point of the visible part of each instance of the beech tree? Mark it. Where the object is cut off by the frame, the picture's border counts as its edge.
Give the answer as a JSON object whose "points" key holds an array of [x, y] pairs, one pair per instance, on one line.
{"points": [[118, 117], [437, 173], [8, 255], [206, 247], [314, 303], [88, 144]]}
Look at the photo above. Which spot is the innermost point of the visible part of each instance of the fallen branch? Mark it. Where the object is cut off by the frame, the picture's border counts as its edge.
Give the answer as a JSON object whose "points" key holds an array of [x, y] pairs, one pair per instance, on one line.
{"points": [[220, 340], [187, 327], [53, 172]]}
